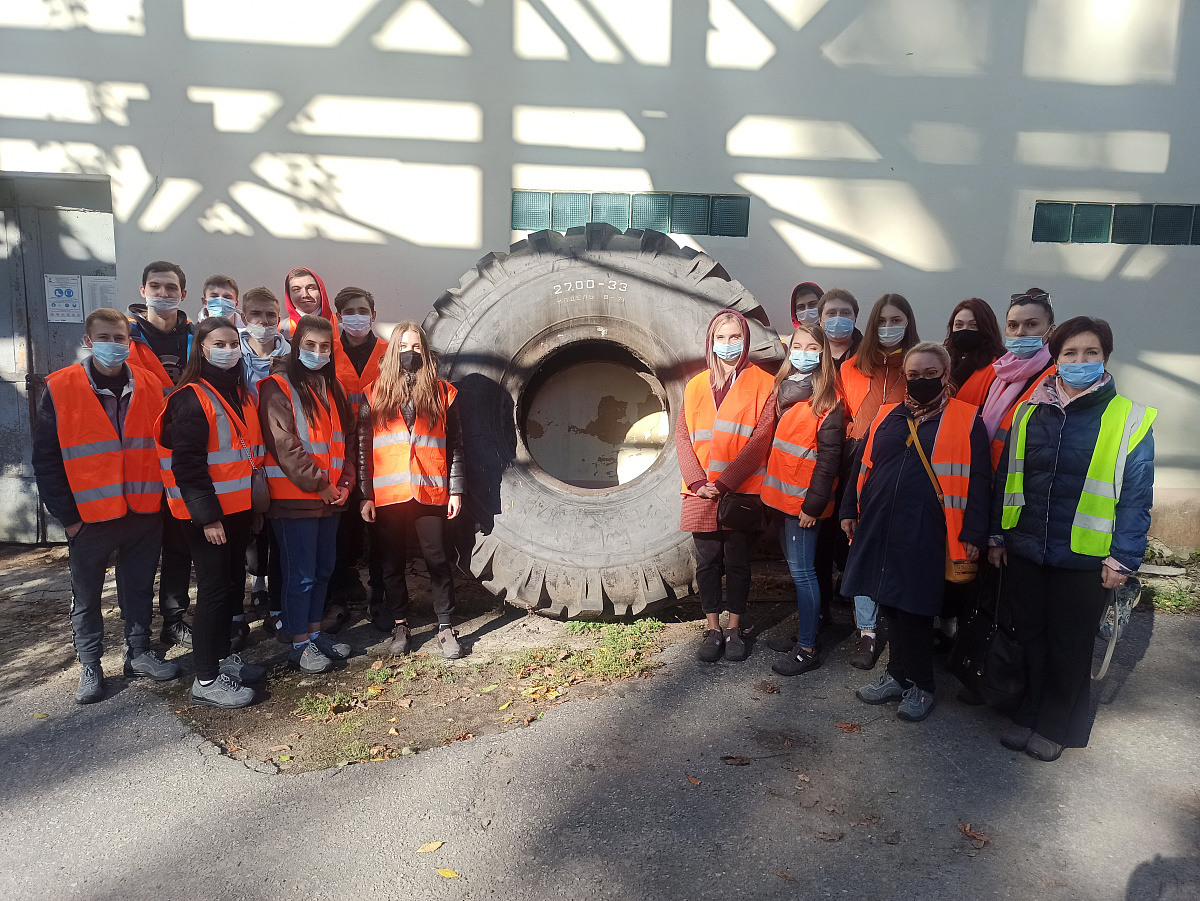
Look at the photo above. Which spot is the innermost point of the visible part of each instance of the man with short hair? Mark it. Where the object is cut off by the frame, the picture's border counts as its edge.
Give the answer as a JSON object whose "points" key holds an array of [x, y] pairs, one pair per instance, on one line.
{"points": [[160, 341], [97, 473], [220, 297]]}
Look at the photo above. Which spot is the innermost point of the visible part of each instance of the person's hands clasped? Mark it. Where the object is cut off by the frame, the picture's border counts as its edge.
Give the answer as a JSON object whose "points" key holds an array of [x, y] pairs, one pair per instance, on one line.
{"points": [[333, 495], [708, 491], [1111, 578], [215, 532]]}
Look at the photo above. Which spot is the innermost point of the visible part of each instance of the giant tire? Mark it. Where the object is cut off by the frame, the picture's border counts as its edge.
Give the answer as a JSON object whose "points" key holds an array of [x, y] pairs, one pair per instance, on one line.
{"points": [[538, 542]]}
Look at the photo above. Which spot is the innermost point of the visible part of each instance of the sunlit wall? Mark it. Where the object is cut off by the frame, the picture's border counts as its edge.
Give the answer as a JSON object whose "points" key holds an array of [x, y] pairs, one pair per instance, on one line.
{"points": [[888, 144]]}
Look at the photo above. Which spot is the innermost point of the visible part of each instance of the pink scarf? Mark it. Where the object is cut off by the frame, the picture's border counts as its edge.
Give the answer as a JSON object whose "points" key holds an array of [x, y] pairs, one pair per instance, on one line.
{"points": [[1011, 375]]}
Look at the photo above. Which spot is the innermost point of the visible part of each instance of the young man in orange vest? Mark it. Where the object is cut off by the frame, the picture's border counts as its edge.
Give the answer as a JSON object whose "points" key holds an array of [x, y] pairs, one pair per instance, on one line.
{"points": [[356, 355], [161, 339], [97, 473]]}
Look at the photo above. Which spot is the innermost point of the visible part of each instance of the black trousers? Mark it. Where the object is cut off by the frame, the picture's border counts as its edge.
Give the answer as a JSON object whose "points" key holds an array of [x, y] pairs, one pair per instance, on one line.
{"points": [[724, 552], [220, 587], [910, 637], [176, 571], [429, 523], [959, 596], [832, 547], [354, 536], [1055, 614], [262, 559]]}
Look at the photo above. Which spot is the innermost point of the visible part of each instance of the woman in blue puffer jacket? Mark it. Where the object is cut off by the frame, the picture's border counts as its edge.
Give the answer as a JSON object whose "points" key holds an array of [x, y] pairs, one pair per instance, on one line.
{"points": [[1070, 513]]}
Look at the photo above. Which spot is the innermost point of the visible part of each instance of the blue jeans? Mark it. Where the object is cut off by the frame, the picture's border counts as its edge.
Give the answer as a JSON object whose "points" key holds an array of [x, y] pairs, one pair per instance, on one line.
{"points": [[307, 554], [799, 549], [865, 612]]}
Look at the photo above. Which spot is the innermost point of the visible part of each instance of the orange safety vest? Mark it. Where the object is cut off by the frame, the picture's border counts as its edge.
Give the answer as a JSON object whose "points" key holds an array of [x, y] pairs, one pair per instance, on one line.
{"points": [[951, 462], [411, 465], [109, 475], [975, 389], [324, 442], [1001, 436], [235, 450], [793, 460], [142, 357], [718, 436], [353, 384]]}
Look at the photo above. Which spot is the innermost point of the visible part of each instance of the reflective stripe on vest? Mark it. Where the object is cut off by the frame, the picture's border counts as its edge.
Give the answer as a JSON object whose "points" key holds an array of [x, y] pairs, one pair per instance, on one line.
{"points": [[229, 465], [718, 441], [109, 475], [325, 444], [411, 465], [951, 462], [1123, 425], [353, 384], [792, 461]]}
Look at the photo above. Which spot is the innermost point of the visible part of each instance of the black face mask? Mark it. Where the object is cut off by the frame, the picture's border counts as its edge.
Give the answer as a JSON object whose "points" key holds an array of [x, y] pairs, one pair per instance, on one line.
{"points": [[924, 391], [965, 340], [410, 360]]}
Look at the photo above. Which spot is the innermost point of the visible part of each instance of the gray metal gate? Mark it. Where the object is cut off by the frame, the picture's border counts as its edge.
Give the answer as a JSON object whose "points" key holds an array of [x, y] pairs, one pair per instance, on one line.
{"points": [[58, 262]]}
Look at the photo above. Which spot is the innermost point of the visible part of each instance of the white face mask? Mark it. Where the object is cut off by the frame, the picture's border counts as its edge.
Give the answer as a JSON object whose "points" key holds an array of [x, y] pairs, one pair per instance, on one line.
{"points": [[891, 335], [262, 333], [356, 324], [224, 357], [163, 305]]}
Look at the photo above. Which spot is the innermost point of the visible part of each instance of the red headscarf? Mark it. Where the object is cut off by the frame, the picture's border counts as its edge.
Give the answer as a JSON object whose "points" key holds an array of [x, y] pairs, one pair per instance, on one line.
{"points": [[294, 315]]}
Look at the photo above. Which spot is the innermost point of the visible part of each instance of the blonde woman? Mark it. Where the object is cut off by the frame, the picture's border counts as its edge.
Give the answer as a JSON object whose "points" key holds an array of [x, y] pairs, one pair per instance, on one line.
{"points": [[410, 457]]}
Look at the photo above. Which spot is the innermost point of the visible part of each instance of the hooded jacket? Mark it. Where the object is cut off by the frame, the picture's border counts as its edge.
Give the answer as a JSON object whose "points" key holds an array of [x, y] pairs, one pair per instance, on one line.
{"points": [[293, 315], [256, 368]]}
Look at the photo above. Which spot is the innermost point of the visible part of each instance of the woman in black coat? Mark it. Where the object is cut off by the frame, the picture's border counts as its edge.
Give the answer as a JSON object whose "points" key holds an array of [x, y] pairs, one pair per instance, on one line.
{"points": [[898, 527]]}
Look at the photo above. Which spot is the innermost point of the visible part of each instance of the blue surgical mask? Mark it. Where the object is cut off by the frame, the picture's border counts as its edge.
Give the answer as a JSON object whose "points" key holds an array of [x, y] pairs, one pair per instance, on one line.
{"points": [[224, 357], [728, 352], [163, 305], [805, 360], [1081, 375], [312, 359], [109, 354], [839, 327], [356, 325], [1023, 346], [220, 306], [808, 316], [891, 335]]}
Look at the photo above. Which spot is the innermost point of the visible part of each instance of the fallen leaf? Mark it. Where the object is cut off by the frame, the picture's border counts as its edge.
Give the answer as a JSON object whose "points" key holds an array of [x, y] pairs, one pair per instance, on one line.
{"points": [[563, 655], [447, 874], [769, 688], [831, 835], [378, 664], [489, 688], [506, 705], [892, 791], [892, 839], [849, 728], [978, 839], [394, 719], [735, 761], [509, 719], [295, 735], [802, 777], [277, 748], [462, 736], [421, 654], [393, 731], [41, 716], [529, 719], [406, 702], [284, 758], [375, 688], [429, 846], [693, 780], [785, 875]]}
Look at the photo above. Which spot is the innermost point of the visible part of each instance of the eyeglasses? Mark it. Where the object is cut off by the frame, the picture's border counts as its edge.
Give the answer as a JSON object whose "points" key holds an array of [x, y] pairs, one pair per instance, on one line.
{"points": [[1032, 298]]}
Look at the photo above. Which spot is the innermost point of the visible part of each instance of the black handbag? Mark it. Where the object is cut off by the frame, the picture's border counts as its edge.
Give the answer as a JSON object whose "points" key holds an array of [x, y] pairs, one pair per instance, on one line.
{"points": [[740, 512], [986, 657]]}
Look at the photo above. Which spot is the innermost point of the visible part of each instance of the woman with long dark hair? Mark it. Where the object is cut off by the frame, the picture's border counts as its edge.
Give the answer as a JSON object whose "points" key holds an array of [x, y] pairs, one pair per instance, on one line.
{"points": [[209, 445], [410, 459], [973, 339], [311, 447]]}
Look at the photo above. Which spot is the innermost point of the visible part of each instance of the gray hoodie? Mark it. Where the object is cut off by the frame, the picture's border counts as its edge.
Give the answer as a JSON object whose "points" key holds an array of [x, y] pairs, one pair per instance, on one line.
{"points": [[257, 368]]}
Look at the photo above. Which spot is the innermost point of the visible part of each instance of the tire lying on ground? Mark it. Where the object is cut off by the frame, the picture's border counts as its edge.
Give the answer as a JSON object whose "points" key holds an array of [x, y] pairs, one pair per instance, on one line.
{"points": [[634, 299]]}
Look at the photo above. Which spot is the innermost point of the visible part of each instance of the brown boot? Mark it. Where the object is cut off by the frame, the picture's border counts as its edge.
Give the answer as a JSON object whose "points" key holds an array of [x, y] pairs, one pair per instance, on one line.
{"points": [[400, 640], [869, 647]]}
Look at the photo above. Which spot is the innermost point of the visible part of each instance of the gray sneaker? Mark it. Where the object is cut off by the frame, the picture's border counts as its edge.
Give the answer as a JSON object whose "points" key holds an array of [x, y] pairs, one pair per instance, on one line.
{"points": [[237, 668], [334, 650], [151, 666], [91, 684], [224, 691], [448, 642], [882, 690], [917, 704], [309, 659]]}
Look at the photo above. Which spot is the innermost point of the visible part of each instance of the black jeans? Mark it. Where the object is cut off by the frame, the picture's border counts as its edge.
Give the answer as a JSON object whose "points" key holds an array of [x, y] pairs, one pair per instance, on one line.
{"points": [[724, 552], [910, 660], [1055, 614], [355, 535], [832, 547], [176, 571], [429, 523], [220, 587], [262, 559]]}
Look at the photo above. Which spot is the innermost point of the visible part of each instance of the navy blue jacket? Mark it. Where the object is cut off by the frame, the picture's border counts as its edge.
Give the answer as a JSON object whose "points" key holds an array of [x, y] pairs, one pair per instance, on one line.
{"points": [[1058, 448]]}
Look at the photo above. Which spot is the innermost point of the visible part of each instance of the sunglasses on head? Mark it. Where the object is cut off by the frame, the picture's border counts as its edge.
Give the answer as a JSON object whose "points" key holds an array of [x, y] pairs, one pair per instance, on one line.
{"points": [[1028, 298]]}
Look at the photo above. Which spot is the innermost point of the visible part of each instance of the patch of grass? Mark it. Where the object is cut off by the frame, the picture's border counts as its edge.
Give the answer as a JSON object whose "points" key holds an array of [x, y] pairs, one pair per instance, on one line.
{"points": [[1173, 599], [349, 726], [380, 676], [355, 752], [623, 652], [319, 706]]}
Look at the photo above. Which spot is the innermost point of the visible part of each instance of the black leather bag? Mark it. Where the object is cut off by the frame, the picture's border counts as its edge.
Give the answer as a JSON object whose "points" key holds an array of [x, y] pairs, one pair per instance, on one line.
{"points": [[740, 512], [986, 657]]}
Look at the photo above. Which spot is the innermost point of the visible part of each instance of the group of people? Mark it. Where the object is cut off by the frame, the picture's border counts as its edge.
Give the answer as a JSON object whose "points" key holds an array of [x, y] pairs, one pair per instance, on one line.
{"points": [[910, 465], [261, 438]]}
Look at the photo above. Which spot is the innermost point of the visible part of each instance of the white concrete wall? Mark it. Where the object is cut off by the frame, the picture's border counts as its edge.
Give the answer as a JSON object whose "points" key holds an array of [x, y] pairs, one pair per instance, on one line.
{"points": [[890, 145]]}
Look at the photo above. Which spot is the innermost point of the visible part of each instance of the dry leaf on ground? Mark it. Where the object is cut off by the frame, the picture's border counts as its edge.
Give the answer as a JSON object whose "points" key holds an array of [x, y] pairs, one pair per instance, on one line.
{"points": [[505, 705], [447, 874], [488, 689], [849, 728], [693, 780], [831, 835], [393, 731], [429, 846], [769, 688], [378, 664], [730, 760], [977, 839], [277, 748], [785, 875], [407, 702]]}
